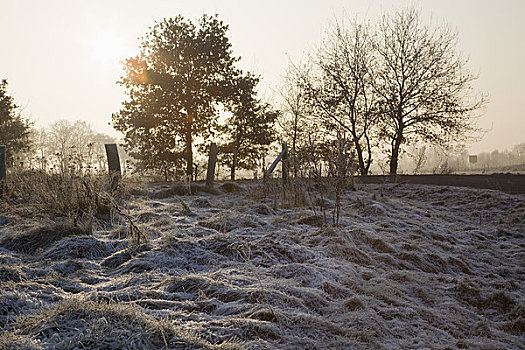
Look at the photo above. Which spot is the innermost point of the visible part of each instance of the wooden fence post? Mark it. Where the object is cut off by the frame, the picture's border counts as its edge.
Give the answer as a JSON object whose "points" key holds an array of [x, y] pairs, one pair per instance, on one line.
{"points": [[3, 171], [212, 160], [285, 166], [113, 165]]}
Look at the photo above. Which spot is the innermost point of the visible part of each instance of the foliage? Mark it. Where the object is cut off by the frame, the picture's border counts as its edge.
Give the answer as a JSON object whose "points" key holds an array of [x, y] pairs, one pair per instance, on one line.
{"points": [[249, 129], [14, 129], [175, 85]]}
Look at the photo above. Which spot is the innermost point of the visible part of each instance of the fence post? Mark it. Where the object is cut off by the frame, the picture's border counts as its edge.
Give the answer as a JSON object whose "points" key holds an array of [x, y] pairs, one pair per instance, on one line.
{"points": [[3, 171], [212, 160], [113, 165], [282, 156]]}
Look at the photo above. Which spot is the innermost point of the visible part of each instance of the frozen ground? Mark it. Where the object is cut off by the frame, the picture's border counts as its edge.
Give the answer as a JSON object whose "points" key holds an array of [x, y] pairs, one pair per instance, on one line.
{"points": [[409, 267]]}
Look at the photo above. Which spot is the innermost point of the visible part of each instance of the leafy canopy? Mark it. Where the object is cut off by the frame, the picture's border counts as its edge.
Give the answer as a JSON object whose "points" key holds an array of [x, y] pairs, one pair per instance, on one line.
{"points": [[14, 129], [183, 73], [249, 131]]}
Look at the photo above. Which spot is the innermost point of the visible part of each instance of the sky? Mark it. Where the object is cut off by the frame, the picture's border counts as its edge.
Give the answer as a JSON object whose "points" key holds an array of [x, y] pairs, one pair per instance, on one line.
{"points": [[62, 57]]}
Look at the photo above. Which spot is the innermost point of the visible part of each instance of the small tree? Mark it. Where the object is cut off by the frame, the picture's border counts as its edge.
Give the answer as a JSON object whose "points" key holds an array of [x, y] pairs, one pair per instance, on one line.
{"points": [[249, 130], [423, 85], [14, 129], [175, 85]]}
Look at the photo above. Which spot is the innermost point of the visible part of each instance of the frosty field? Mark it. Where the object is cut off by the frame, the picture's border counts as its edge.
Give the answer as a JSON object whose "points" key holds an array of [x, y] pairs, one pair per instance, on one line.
{"points": [[409, 267]]}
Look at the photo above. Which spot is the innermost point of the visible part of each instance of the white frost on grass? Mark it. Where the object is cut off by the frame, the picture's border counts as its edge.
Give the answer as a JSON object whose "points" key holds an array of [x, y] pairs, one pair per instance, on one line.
{"points": [[408, 267]]}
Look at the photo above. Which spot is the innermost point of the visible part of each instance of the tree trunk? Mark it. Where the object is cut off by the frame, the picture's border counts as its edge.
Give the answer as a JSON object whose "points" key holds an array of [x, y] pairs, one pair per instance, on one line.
{"points": [[165, 168], [363, 169], [3, 171], [294, 148], [394, 158], [189, 150], [234, 165]]}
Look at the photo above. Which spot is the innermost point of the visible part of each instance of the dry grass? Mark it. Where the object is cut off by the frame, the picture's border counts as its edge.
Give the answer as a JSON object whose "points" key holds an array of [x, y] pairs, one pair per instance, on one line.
{"points": [[55, 195], [77, 324], [183, 189], [397, 273], [72, 204], [43, 236]]}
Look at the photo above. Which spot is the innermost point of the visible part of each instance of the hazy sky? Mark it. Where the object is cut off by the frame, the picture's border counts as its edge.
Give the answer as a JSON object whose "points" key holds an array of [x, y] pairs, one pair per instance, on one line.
{"points": [[61, 58]]}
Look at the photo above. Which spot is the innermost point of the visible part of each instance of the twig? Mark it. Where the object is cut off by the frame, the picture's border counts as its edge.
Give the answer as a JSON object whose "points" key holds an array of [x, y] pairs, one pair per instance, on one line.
{"points": [[136, 233]]}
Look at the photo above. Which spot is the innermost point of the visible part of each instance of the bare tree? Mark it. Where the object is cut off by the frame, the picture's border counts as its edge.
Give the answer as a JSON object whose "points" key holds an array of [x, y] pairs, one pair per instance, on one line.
{"points": [[293, 119], [423, 84], [419, 157], [62, 133], [339, 85], [74, 145]]}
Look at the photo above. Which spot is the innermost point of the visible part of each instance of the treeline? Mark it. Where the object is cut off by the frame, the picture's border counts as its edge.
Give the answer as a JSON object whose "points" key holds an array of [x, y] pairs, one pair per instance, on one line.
{"points": [[367, 89], [501, 159], [61, 148], [64, 147], [368, 94], [425, 159]]}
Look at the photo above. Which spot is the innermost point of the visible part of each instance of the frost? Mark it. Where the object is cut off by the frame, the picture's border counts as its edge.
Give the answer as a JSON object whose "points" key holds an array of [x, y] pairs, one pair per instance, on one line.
{"points": [[408, 267]]}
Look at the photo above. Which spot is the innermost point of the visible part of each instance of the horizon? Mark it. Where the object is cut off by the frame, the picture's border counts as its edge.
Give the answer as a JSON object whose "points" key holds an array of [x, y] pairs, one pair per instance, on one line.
{"points": [[62, 58]]}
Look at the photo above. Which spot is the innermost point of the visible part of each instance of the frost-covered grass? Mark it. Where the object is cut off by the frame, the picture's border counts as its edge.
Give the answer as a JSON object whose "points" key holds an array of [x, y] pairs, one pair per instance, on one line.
{"points": [[408, 267]]}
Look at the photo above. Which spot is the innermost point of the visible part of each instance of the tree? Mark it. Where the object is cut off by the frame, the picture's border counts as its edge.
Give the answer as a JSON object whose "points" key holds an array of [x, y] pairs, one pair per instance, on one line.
{"points": [[338, 84], [294, 120], [423, 85], [61, 133], [249, 129], [175, 87], [14, 129], [519, 153]]}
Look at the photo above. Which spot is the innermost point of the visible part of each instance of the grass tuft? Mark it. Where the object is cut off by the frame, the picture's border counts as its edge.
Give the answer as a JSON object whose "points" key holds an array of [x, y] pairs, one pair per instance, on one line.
{"points": [[100, 325], [42, 237]]}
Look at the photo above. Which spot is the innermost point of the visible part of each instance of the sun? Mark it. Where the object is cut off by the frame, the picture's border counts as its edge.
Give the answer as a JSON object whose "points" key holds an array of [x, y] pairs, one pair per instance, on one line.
{"points": [[107, 47]]}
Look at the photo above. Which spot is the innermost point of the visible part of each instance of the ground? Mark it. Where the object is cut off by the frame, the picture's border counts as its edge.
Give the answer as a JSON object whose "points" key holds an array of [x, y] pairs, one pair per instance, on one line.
{"points": [[406, 267]]}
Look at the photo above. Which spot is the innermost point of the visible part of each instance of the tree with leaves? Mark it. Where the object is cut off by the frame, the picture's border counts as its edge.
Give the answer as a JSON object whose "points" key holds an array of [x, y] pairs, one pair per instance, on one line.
{"points": [[423, 85], [14, 129], [183, 73], [249, 130]]}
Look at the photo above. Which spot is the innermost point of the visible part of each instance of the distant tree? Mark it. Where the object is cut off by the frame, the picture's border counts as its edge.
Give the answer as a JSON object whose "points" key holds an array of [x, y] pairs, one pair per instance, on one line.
{"points": [[14, 129], [60, 142], [74, 145], [422, 83], [519, 153], [175, 86], [39, 144], [249, 130]]}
